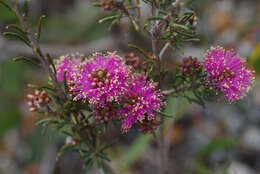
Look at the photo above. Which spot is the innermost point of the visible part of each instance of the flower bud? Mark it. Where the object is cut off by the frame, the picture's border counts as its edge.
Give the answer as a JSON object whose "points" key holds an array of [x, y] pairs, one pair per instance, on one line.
{"points": [[43, 94], [47, 100]]}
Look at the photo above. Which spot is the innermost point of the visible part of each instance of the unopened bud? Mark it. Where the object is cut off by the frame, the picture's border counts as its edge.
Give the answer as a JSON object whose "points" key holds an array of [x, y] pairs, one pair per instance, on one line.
{"points": [[47, 100], [37, 92], [94, 84], [100, 84], [40, 101], [43, 94]]}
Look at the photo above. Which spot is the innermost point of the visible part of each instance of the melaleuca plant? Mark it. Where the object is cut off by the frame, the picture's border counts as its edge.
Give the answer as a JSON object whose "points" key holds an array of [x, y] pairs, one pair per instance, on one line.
{"points": [[86, 93]]}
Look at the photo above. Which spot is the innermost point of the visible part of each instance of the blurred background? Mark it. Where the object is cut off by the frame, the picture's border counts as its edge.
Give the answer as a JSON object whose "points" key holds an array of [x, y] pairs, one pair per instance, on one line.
{"points": [[221, 138]]}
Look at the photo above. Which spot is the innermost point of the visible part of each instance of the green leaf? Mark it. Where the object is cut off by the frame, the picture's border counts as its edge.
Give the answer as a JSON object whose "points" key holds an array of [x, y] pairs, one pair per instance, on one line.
{"points": [[40, 26], [50, 60], [47, 120], [65, 80], [175, 25], [132, 6], [164, 114], [115, 21], [26, 59], [109, 145], [147, 55], [64, 148], [89, 164], [134, 23], [191, 40], [16, 35], [16, 28], [108, 18]]}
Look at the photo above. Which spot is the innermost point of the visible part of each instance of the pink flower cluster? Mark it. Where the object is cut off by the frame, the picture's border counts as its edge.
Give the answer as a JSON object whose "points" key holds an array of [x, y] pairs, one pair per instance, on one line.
{"points": [[112, 90], [227, 72], [139, 103], [68, 64]]}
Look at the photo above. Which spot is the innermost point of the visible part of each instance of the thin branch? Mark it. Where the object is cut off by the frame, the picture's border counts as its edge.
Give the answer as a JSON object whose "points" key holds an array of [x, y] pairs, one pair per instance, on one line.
{"points": [[164, 49], [126, 12], [179, 89], [36, 48]]}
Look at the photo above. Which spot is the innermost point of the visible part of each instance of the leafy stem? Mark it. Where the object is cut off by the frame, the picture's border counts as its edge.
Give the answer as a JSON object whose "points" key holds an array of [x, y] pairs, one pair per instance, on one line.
{"points": [[33, 39]]}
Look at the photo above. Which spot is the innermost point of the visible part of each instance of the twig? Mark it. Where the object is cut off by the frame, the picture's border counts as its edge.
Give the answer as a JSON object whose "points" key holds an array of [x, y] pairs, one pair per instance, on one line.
{"points": [[164, 49], [126, 12], [36, 48], [180, 89]]}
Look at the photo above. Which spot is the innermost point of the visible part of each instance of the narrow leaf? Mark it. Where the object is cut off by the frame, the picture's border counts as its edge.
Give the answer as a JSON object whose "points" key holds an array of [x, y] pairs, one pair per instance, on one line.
{"points": [[21, 58], [112, 24], [40, 26], [51, 63], [179, 26], [16, 28], [46, 120], [107, 19], [132, 6], [12, 34], [192, 40], [134, 23], [65, 148], [147, 55]]}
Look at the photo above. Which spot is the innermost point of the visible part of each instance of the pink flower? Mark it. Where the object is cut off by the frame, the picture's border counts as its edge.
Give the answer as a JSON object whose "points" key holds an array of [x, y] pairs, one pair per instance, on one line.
{"points": [[102, 79], [227, 72], [67, 63], [140, 102]]}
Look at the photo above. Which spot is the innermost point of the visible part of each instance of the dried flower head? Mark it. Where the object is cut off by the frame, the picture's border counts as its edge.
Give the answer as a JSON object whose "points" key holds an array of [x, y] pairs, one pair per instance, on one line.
{"points": [[68, 64], [190, 66], [101, 80], [227, 72], [140, 102], [105, 113], [148, 126]]}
